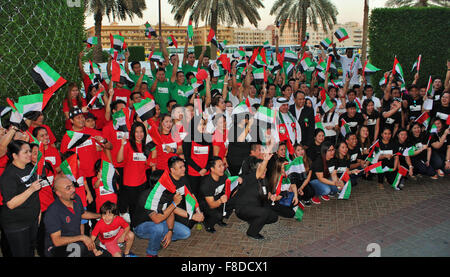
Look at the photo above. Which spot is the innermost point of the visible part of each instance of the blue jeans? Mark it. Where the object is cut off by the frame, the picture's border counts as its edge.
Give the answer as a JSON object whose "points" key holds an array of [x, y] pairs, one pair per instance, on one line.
{"points": [[156, 232], [322, 189]]}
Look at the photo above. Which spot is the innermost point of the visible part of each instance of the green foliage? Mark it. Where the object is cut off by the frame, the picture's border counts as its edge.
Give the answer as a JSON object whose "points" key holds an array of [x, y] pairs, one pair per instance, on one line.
{"points": [[198, 50], [407, 33], [137, 53], [36, 30], [90, 53]]}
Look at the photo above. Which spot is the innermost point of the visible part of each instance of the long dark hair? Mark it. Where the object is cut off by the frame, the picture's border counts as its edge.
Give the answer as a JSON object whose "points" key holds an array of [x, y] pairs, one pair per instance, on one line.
{"points": [[323, 153], [132, 139]]}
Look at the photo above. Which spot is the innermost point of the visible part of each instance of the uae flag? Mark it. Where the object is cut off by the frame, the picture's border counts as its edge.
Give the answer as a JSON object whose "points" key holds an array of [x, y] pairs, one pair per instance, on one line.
{"points": [[306, 63], [280, 57], [430, 87], [191, 202], [153, 133], [259, 75], [290, 57], [172, 41], [222, 45], [370, 68], [38, 168], [374, 152], [383, 81], [299, 210], [93, 102], [212, 38], [91, 41], [402, 171], [121, 120], [347, 189], [374, 168], [345, 128], [156, 57], [16, 118], [325, 43], [230, 185], [416, 65], [225, 61], [265, 114], [120, 75], [145, 109], [397, 70], [336, 83], [424, 119], [149, 31], [69, 168], [76, 139], [47, 78], [295, 166], [433, 129], [3, 111], [33, 104], [160, 194], [96, 70], [341, 34], [318, 122], [190, 29], [239, 53], [409, 151], [266, 45], [243, 107], [117, 42], [325, 101], [108, 172]]}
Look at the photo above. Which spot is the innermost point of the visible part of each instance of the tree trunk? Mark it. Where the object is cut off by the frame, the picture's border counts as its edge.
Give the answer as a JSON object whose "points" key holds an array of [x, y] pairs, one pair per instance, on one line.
{"points": [[97, 54], [303, 30], [365, 31], [213, 53]]}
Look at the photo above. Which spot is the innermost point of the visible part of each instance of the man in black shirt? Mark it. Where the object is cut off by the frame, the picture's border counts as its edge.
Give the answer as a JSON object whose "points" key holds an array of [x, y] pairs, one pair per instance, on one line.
{"points": [[392, 118], [62, 224], [214, 202], [354, 152], [352, 118]]}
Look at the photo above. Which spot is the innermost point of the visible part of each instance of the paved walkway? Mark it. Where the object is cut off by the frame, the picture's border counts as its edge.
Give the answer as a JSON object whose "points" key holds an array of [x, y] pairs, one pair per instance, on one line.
{"points": [[411, 222]]}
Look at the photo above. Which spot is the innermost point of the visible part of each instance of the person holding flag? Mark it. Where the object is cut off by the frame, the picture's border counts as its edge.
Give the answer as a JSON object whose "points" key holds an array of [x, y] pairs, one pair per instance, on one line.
{"points": [[350, 64], [439, 142], [105, 184], [21, 207], [404, 150], [387, 157], [214, 202], [301, 179], [154, 217], [281, 192], [73, 100], [421, 161]]}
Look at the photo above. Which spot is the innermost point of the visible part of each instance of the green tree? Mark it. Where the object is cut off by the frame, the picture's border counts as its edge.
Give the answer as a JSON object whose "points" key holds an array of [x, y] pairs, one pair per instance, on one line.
{"points": [[303, 11], [213, 12], [416, 3], [120, 9]]}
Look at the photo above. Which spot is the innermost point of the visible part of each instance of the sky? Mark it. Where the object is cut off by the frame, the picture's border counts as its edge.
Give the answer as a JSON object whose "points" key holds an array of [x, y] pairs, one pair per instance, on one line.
{"points": [[349, 10]]}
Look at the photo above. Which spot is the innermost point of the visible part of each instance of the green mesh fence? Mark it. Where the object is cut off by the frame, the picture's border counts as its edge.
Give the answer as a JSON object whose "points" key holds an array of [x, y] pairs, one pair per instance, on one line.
{"points": [[36, 30]]}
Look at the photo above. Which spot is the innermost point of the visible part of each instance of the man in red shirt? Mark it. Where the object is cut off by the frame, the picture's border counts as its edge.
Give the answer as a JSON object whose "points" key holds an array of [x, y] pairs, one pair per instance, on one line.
{"points": [[89, 151]]}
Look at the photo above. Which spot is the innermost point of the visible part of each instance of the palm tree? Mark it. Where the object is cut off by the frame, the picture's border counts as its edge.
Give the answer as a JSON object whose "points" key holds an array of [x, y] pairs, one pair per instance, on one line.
{"points": [[120, 9], [303, 11], [416, 3], [365, 31], [213, 12]]}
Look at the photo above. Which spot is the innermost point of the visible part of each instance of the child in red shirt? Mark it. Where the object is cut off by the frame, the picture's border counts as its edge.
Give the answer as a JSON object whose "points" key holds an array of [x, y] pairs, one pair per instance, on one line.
{"points": [[112, 229], [102, 194]]}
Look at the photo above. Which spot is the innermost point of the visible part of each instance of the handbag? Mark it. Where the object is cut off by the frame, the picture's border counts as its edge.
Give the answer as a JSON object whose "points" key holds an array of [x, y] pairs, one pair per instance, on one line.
{"points": [[287, 200]]}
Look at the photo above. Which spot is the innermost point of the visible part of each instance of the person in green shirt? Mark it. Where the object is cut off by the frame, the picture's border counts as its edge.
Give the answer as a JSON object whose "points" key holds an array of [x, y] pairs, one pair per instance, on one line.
{"points": [[179, 91], [135, 72], [161, 88], [188, 64]]}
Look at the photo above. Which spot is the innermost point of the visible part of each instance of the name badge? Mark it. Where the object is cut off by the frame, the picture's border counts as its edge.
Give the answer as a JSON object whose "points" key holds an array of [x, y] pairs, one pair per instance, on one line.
{"points": [[180, 92], [341, 169], [201, 150], [416, 108], [386, 152], [371, 121], [120, 135], [172, 145], [52, 160], [139, 157], [331, 169], [163, 90]]}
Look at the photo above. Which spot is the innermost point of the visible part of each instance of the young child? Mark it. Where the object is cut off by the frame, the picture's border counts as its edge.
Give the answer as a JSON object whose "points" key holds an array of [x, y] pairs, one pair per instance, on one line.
{"points": [[101, 193], [112, 229]]}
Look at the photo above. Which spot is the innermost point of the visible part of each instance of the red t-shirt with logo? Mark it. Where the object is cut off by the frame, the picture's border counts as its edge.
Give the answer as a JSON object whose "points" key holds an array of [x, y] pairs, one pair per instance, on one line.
{"points": [[108, 232], [51, 136], [66, 108], [219, 140], [122, 94], [134, 166], [162, 157], [114, 137]]}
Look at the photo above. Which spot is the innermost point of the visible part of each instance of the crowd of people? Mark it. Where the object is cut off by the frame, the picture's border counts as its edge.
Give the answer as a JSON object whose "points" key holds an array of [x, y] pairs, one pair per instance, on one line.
{"points": [[205, 132]]}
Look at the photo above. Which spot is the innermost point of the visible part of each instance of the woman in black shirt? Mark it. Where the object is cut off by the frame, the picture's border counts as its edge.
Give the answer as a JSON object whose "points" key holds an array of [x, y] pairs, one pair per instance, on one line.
{"points": [[403, 145], [21, 206], [251, 200], [421, 160], [313, 150], [439, 143], [387, 157], [238, 147], [371, 118]]}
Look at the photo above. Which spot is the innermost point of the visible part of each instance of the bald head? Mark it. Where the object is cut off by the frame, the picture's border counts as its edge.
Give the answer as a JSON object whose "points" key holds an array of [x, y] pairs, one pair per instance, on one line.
{"points": [[64, 188]]}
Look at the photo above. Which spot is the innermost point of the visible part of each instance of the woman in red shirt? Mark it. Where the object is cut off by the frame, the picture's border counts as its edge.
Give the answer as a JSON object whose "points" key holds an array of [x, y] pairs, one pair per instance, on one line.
{"points": [[219, 140], [51, 154], [169, 147], [135, 157], [98, 107], [73, 99]]}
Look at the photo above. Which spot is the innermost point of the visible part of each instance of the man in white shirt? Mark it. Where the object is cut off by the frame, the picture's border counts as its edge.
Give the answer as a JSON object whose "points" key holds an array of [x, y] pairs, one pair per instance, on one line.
{"points": [[350, 64]]}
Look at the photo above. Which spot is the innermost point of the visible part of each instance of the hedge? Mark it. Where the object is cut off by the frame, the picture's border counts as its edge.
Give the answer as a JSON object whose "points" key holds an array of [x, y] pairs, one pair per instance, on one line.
{"points": [[407, 33], [36, 30], [137, 53]]}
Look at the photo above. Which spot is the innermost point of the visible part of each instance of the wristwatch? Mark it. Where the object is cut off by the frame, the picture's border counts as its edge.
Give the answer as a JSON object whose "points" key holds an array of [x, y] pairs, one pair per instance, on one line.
{"points": [[170, 230]]}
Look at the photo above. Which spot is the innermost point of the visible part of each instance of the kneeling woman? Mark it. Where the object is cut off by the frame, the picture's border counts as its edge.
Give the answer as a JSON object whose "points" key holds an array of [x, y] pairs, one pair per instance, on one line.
{"points": [[324, 177], [252, 203], [284, 202]]}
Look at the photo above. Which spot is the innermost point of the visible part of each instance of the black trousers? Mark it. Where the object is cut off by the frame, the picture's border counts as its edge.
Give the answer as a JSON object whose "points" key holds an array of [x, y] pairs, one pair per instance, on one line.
{"points": [[257, 217], [129, 197], [390, 177], [283, 211], [308, 193], [195, 182], [213, 216], [22, 242]]}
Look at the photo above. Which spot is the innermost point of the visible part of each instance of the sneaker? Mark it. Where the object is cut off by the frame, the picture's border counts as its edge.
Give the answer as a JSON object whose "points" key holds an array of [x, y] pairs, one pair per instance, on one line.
{"points": [[440, 173], [307, 203], [435, 177], [401, 185], [325, 197], [130, 255], [315, 200]]}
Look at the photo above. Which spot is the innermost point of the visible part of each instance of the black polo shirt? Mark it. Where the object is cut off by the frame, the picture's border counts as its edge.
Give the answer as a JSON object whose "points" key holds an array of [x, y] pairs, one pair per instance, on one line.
{"points": [[60, 218]]}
